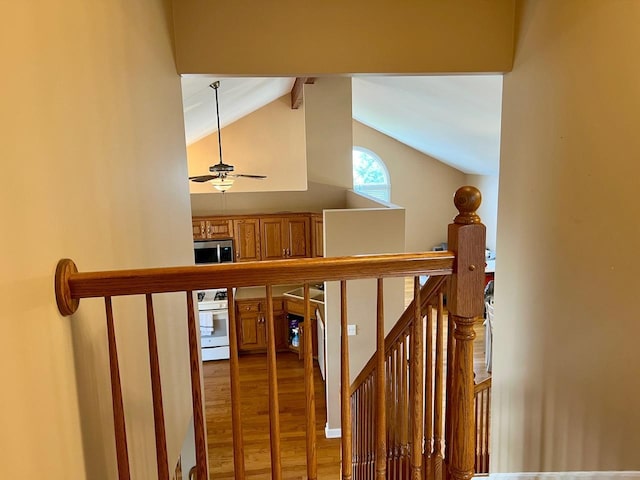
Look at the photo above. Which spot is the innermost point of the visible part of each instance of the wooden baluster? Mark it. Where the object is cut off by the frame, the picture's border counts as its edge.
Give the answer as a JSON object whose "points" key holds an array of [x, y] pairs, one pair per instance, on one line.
{"points": [[438, 391], [345, 383], [487, 419], [372, 426], [312, 461], [404, 408], [450, 353], [392, 410], [417, 387], [354, 433], [234, 374], [196, 392], [381, 405], [477, 413], [465, 302], [274, 412], [122, 453], [162, 458], [428, 388]]}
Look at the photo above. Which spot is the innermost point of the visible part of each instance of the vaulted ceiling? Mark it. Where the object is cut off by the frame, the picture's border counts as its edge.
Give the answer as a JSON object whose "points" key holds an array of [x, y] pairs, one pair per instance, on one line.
{"points": [[455, 119]]}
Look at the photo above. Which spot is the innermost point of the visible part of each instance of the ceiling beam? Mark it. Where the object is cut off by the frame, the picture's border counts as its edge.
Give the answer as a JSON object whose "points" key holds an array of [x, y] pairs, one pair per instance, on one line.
{"points": [[296, 90]]}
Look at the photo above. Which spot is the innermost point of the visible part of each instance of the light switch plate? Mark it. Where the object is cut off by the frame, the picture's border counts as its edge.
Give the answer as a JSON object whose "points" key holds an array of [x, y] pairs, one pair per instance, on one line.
{"points": [[351, 330]]}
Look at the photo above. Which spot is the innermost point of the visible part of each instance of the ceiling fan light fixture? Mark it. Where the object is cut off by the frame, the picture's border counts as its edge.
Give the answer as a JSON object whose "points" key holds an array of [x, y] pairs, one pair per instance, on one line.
{"points": [[222, 184]]}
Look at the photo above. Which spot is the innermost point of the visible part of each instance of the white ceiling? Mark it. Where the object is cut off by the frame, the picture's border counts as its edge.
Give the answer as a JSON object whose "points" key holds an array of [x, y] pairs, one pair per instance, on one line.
{"points": [[455, 119], [237, 97]]}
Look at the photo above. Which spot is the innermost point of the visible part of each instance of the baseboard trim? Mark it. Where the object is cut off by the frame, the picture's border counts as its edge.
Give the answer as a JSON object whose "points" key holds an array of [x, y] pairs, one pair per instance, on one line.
{"points": [[627, 475], [332, 432]]}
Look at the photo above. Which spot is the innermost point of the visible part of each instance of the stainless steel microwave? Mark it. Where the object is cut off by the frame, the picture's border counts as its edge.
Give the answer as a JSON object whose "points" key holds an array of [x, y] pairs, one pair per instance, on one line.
{"points": [[213, 251]]}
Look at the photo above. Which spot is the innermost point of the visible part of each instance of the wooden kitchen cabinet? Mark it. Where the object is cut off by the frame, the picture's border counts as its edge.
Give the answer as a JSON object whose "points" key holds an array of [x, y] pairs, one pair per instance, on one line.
{"points": [[251, 324], [246, 236], [265, 237], [296, 307], [317, 235], [205, 228], [285, 237]]}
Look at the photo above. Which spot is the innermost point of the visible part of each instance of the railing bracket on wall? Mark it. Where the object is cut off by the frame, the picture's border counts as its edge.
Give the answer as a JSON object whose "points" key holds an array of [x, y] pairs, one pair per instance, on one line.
{"points": [[66, 305]]}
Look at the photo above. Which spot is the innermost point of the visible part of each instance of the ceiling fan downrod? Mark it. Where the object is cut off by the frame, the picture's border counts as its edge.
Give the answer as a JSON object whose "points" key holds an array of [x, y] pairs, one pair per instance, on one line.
{"points": [[215, 86]]}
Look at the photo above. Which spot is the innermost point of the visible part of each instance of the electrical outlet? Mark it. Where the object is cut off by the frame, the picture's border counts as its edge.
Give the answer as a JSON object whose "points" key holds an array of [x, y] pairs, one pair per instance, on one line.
{"points": [[351, 330]]}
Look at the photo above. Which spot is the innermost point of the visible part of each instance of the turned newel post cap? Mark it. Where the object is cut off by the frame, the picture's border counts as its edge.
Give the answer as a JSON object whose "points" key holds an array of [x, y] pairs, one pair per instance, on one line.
{"points": [[467, 200]]}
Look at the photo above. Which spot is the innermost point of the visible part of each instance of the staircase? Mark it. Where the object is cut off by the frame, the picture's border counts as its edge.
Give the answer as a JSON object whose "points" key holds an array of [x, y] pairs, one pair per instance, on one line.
{"points": [[409, 414]]}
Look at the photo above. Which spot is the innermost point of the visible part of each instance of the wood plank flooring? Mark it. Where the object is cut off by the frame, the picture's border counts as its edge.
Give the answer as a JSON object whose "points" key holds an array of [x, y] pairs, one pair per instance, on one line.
{"points": [[255, 419]]}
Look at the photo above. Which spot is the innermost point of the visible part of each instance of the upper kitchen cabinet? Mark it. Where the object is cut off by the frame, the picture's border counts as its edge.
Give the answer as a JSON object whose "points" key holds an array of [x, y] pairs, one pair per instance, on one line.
{"points": [[267, 236], [246, 236], [285, 237], [317, 235], [211, 228]]}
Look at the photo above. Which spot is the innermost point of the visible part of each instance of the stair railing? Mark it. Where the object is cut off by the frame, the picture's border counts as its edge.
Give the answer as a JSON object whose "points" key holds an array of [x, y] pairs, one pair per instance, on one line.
{"points": [[402, 429], [482, 413], [462, 265]]}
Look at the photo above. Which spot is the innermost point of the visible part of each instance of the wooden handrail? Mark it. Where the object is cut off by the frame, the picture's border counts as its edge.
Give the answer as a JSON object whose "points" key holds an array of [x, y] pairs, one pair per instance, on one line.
{"points": [[72, 285], [482, 386]]}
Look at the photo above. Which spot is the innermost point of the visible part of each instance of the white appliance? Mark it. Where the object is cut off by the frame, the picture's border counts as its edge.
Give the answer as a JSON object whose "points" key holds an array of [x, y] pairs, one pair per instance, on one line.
{"points": [[213, 314]]}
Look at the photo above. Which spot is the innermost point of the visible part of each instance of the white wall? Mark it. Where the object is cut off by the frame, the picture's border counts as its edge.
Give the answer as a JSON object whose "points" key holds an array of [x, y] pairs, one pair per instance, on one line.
{"points": [[488, 211], [352, 232], [566, 364], [93, 162]]}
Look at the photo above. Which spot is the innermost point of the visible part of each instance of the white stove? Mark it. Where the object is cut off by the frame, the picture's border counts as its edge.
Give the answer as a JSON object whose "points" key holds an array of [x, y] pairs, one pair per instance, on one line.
{"points": [[214, 324]]}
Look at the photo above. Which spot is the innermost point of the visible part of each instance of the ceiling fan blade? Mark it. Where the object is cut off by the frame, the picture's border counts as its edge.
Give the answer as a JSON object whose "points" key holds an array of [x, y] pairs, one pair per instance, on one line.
{"points": [[247, 175], [203, 178]]}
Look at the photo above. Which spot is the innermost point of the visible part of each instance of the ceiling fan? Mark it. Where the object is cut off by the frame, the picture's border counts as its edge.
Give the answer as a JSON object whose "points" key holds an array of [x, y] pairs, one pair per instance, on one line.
{"points": [[222, 174]]}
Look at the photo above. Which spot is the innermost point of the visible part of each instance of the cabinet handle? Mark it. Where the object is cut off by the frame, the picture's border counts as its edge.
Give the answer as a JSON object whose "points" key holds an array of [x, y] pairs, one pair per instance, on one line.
{"points": [[284, 252], [288, 252]]}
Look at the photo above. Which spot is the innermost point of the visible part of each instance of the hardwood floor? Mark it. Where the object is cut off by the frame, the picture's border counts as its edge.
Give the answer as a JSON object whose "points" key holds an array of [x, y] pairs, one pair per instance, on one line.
{"points": [[255, 419]]}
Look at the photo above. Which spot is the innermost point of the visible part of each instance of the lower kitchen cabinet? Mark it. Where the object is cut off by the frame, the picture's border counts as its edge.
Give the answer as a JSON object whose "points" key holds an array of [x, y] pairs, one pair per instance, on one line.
{"points": [[251, 324]]}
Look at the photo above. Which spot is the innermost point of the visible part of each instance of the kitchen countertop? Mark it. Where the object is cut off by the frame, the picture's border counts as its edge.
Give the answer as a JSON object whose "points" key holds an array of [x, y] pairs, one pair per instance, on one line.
{"points": [[245, 293]]}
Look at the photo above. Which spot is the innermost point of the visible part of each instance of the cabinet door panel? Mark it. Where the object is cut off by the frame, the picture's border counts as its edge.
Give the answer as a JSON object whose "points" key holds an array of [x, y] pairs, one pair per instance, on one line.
{"points": [[247, 239], [299, 245], [249, 335], [272, 238], [219, 228], [199, 229], [317, 236]]}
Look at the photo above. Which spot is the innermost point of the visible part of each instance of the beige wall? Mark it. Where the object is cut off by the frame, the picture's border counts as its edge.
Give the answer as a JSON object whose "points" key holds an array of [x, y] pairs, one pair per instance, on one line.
{"points": [[488, 211], [269, 141], [316, 198], [329, 138], [93, 162], [566, 364], [422, 185], [352, 232], [359, 36]]}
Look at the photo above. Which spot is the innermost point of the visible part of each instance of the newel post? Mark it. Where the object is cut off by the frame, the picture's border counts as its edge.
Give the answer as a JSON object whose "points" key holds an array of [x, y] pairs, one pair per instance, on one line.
{"points": [[464, 303]]}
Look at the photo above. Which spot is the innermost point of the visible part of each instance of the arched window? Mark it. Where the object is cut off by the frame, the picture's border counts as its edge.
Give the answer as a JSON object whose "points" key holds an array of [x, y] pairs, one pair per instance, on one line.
{"points": [[370, 175]]}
